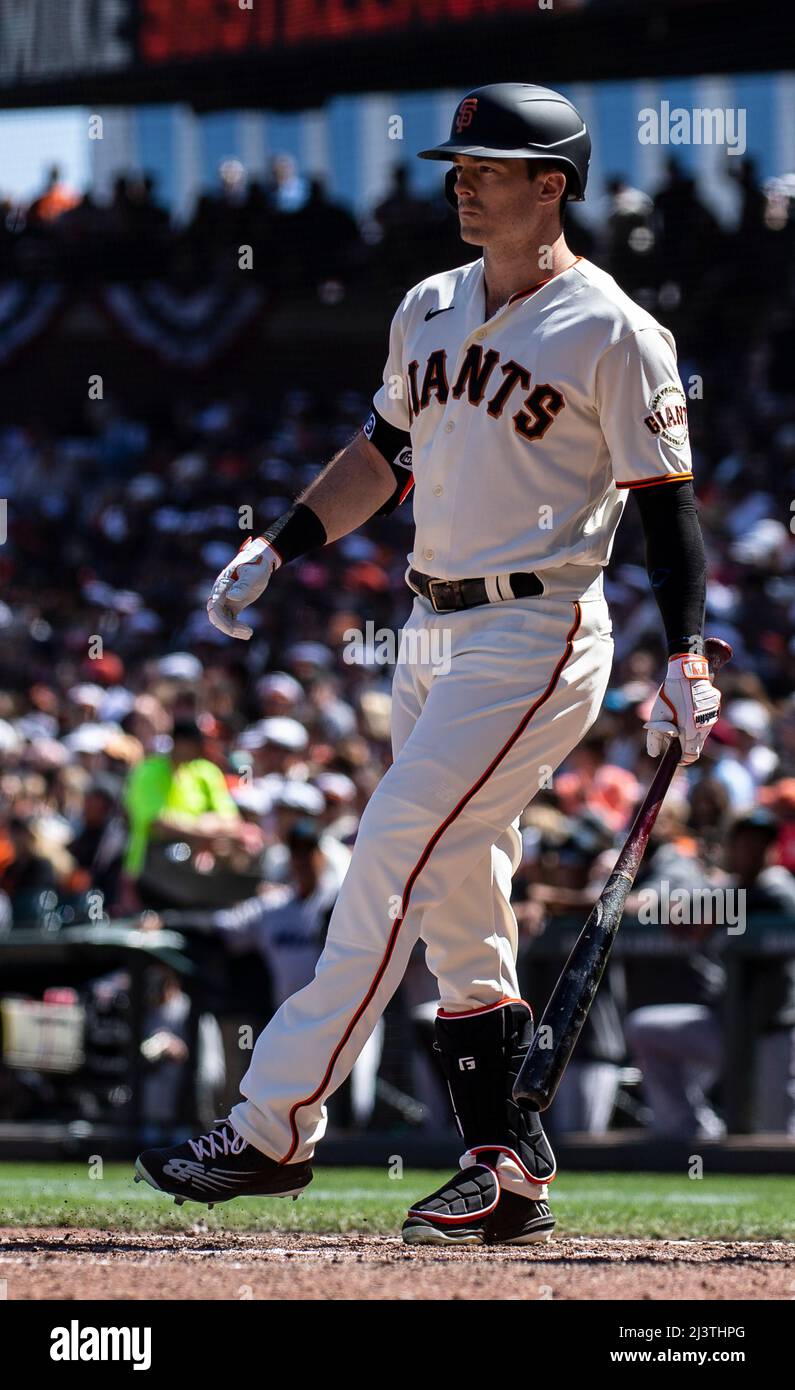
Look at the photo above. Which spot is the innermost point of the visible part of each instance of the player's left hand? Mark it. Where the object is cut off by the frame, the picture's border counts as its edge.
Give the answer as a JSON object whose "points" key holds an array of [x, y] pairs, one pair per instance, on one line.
{"points": [[687, 706], [239, 584]]}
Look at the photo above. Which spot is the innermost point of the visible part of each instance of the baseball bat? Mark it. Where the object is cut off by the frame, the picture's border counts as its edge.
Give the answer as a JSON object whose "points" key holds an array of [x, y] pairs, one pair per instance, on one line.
{"points": [[567, 1010]]}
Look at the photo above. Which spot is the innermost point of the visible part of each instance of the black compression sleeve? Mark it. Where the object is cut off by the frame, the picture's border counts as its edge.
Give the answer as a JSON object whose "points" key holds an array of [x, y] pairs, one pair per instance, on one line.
{"points": [[676, 562], [395, 446], [298, 530]]}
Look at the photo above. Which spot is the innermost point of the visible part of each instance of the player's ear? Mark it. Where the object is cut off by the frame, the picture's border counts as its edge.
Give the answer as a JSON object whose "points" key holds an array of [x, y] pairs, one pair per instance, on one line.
{"points": [[553, 185]]}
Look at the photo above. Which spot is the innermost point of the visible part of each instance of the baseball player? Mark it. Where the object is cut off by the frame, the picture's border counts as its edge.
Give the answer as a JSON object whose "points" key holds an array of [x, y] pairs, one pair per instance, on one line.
{"points": [[524, 395]]}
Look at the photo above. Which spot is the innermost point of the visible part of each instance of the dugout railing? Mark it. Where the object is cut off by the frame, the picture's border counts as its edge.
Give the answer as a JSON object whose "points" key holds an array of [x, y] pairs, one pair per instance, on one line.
{"points": [[45, 980]]}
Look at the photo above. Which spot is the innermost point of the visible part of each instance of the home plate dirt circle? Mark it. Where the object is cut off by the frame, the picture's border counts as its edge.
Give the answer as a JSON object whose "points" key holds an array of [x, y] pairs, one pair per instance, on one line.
{"points": [[67, 1263]]}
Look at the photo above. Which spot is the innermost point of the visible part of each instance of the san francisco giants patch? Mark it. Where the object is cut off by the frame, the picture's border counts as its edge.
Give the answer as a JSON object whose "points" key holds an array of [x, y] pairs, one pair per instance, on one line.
{"points": [[668, 414]]}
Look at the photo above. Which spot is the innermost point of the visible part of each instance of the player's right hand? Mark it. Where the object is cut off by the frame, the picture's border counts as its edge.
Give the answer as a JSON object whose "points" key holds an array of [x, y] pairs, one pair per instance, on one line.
{"points": [[239, 584]]}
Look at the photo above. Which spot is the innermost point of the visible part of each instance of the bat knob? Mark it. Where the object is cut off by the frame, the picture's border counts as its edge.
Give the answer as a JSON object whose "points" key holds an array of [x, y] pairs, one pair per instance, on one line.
{"points": [[527, 1095], [717, 653]]}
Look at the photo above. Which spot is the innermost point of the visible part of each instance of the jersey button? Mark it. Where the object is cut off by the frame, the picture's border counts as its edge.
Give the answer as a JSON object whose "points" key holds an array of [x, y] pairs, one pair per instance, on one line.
{"points": [[438, 490], [449, 427], [480, 336], [427, 554]]}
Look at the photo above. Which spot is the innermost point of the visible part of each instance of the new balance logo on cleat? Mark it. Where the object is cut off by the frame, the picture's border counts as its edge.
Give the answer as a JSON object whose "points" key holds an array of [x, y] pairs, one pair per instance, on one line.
{"points": [[218, 1166], [207, 1179]]}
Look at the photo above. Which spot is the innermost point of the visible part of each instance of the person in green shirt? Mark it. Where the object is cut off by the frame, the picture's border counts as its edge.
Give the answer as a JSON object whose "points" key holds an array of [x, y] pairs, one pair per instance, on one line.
{"points": [[175, 795]]}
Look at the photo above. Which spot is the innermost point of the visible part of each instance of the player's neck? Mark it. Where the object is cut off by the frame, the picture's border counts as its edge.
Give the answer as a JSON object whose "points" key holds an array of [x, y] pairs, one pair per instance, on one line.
{"points": [[508, 270]]}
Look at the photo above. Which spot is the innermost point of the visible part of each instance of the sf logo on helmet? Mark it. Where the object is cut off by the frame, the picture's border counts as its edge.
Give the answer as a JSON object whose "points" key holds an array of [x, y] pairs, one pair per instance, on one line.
{"points": [[465, 113]]}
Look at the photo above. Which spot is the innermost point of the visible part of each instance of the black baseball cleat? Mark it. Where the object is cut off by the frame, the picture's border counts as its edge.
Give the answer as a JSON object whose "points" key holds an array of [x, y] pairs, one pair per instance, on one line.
{"points": [[472, 1209], [217, 1167]]}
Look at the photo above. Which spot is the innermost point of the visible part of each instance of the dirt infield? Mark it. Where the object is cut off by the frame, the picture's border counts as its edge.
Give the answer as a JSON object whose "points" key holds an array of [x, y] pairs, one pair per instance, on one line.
{"points": [[85, 1264]]}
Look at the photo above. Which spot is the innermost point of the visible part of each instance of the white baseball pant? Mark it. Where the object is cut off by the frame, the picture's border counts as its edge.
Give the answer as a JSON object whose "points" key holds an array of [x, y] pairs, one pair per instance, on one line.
{"points": [[437, 844]]}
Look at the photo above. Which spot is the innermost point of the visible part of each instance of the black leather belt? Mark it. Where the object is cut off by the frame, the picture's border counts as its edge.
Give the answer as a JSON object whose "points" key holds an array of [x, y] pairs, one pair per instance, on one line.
{"points": [[445, 595]]}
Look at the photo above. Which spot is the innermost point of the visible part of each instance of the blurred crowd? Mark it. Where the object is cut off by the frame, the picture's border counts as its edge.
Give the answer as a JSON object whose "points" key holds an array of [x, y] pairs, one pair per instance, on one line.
{"points": [[298, 234], [149, 764], [670, 244]]}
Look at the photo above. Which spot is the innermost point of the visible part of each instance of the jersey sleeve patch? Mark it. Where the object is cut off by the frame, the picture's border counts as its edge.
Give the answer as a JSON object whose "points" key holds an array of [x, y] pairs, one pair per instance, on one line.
{"points": [[667, 415], [642, 410]]}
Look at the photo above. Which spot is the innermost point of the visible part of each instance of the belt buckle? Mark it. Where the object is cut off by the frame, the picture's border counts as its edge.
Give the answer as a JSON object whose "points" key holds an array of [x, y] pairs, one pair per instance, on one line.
{"points": [[432, 596]]}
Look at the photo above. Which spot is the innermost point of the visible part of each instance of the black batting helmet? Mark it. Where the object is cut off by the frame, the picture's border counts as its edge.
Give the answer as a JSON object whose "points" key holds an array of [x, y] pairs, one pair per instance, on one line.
{"points": [[515, 120]]}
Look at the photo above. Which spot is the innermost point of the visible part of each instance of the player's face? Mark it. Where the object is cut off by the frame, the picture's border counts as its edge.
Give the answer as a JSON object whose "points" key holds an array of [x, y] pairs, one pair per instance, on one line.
{"points": [[496, 197]]}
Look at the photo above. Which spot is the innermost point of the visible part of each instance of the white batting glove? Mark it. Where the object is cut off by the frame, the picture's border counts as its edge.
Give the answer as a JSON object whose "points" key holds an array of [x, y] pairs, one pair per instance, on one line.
{"points": [[687, 706], [243, 580]]}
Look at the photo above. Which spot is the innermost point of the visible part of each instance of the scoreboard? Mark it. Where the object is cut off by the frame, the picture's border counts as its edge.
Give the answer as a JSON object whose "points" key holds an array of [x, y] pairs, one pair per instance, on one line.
{"points": [[291, 53]]}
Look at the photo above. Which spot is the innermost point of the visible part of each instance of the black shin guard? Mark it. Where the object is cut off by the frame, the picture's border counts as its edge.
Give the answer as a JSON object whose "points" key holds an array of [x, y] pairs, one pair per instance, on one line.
{"points": [[481, 1055]]}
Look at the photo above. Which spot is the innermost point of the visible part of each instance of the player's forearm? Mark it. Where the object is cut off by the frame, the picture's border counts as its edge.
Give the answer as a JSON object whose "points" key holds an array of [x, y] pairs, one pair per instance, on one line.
{"points": [[676, 562], [356, 484], [348, 491]]}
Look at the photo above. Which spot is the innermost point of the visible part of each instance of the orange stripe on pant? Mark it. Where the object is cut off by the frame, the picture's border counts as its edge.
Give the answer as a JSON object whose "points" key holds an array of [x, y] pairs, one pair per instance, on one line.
{"points": [[416, 871]]}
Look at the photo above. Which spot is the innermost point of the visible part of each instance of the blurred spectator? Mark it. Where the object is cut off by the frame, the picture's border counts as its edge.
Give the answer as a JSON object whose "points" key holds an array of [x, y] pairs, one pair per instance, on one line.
{"points": [[564, 882], [709, 815], [324, 232], [753, 728], [673, 1028], [752, 197], [685, 228], [165, 1049], [278, 693], [99, 845], [769, 890], [27, 876], [402, 226], [55, 199], [627, 239], [288, 189], [287, 926], [780, 799], [169, 796], [400, 208]]}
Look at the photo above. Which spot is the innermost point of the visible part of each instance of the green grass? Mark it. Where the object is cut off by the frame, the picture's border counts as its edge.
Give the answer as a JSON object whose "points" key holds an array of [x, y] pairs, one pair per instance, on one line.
{"points": [[650, 1205]]}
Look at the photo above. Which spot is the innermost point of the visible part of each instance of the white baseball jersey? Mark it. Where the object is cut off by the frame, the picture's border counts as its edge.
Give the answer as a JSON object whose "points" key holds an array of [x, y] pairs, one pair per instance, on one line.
{"points": [[528, 428]]}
